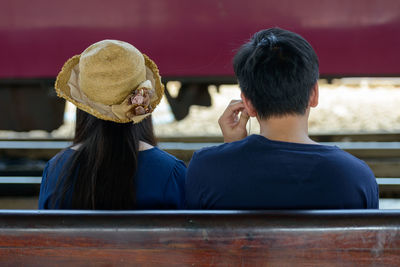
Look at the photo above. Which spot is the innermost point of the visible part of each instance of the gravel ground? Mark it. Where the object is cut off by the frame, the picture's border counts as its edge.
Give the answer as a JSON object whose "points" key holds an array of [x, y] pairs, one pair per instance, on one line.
{"points": [[342, 109], [347, 106]]}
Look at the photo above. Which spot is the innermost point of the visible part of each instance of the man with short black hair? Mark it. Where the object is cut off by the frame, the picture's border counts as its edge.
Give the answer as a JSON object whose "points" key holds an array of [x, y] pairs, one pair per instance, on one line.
{"points": [[281, 168]]}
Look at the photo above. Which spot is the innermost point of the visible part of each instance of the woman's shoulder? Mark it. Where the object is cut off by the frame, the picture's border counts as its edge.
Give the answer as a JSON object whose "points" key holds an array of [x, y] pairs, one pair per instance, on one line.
{"points": [[51, 174], [61, 157]]}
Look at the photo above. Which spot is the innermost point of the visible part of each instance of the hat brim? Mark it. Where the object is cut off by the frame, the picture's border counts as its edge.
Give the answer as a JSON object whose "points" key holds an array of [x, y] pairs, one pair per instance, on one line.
{"points": [[63, 90]]}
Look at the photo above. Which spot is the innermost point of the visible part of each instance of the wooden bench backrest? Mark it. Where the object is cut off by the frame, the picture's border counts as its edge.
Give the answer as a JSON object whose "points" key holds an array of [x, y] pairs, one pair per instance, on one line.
{"points": [[200, 238]]}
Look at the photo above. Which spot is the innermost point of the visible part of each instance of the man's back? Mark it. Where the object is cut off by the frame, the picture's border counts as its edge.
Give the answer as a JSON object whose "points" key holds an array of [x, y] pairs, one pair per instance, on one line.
{"points": [[258, 173]]}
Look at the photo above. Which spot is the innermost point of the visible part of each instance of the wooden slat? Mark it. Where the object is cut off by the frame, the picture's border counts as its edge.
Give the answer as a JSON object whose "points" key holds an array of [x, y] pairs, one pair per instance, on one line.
{"points": [[10, 185], [20, 180], [38, 179]]}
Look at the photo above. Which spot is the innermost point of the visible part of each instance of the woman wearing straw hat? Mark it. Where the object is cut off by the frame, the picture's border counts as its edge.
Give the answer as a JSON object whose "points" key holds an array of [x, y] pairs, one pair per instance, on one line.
{"points": [[113, 162]]}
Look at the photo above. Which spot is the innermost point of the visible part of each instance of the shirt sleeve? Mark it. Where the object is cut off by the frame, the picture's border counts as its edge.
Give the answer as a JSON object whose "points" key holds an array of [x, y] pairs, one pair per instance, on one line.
{"points": [[371, 187], [174, 194], [193, 187], [374, 198], [44, 190]]}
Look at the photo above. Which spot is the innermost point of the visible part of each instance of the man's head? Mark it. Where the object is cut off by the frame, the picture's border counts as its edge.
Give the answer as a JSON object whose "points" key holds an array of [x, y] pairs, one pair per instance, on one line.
{"points": [[277, 71]]}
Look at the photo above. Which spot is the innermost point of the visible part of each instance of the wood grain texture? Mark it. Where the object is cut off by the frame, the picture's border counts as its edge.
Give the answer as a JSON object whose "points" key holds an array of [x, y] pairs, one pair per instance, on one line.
{"points": [[203, 238]]}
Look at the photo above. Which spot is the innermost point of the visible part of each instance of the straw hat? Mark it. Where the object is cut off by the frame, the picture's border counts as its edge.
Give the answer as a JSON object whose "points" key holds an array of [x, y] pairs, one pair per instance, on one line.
{"points": [[113, 81]]}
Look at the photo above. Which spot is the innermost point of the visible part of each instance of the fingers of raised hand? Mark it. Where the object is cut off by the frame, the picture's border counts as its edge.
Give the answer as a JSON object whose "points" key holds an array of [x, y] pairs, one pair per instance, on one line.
{"points": [[232, 110], [235, 105], [244, 118]]}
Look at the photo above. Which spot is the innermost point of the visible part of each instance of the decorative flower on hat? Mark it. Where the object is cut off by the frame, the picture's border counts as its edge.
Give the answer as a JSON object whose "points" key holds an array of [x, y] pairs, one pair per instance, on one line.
{"points": [[140, 102]]}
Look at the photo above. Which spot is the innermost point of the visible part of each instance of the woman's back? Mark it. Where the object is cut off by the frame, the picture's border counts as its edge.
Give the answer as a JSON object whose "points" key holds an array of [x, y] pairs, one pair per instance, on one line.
{"points": [[113, 163], [159, 181]]}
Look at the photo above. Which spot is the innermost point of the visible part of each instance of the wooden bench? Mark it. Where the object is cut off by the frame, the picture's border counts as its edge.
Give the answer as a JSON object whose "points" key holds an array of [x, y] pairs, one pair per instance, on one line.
{"points": [[200, 238], [382, 157]]}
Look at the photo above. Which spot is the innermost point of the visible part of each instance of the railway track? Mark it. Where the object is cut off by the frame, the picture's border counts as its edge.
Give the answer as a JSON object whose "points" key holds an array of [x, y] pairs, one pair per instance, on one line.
{"points": [[334, 137], [26, 158], [349, 137]]}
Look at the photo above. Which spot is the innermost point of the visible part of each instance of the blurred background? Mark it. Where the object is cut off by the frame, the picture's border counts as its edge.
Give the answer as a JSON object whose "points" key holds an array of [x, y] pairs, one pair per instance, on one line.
{"points": [[193, 43]]}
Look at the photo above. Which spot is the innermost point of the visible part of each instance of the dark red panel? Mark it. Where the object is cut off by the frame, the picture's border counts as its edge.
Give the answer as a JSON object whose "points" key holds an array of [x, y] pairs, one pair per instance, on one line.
{"points": [[198, 38]]}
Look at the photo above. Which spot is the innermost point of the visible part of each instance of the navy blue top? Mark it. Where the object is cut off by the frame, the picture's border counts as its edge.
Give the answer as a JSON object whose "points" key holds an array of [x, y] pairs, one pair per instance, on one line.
{"points": [[258, 173], [160, 180]]}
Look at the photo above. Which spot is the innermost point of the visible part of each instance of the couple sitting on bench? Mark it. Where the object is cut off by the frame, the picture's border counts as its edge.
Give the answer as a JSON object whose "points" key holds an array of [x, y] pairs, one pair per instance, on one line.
{"points": [[114, 162]]}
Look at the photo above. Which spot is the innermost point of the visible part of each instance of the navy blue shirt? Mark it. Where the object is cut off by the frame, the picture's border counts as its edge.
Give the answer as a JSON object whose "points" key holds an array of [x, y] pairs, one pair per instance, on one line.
{"points": [[258, 173], [160, 180]]}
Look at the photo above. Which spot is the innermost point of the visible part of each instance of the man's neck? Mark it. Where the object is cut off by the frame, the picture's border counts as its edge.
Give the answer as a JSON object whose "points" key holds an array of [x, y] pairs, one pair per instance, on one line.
{"points": [[291, 128]]}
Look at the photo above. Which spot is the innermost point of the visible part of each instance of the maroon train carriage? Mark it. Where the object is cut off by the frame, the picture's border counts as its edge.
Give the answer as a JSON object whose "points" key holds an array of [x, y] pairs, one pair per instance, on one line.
{"points": [[191, 41]]}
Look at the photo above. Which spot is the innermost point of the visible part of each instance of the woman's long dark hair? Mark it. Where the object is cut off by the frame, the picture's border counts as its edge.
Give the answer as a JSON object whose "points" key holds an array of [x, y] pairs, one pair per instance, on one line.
{"points": [[101, 172]]}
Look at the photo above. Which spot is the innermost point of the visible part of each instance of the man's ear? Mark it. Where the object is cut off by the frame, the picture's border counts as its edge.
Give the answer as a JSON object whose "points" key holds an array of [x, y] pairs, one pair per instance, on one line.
{"points": [[248, 106], [314, 96]]}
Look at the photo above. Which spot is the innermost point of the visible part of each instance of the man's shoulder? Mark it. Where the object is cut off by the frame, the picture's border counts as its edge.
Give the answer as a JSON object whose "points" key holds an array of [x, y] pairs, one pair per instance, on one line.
{"points": [[341, 159], [349, 177], [222, 150], [341, 166]]}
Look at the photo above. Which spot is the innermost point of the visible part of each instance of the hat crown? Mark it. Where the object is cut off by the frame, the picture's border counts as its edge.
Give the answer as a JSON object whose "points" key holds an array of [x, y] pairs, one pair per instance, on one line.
{"points": [[110, 70]]}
